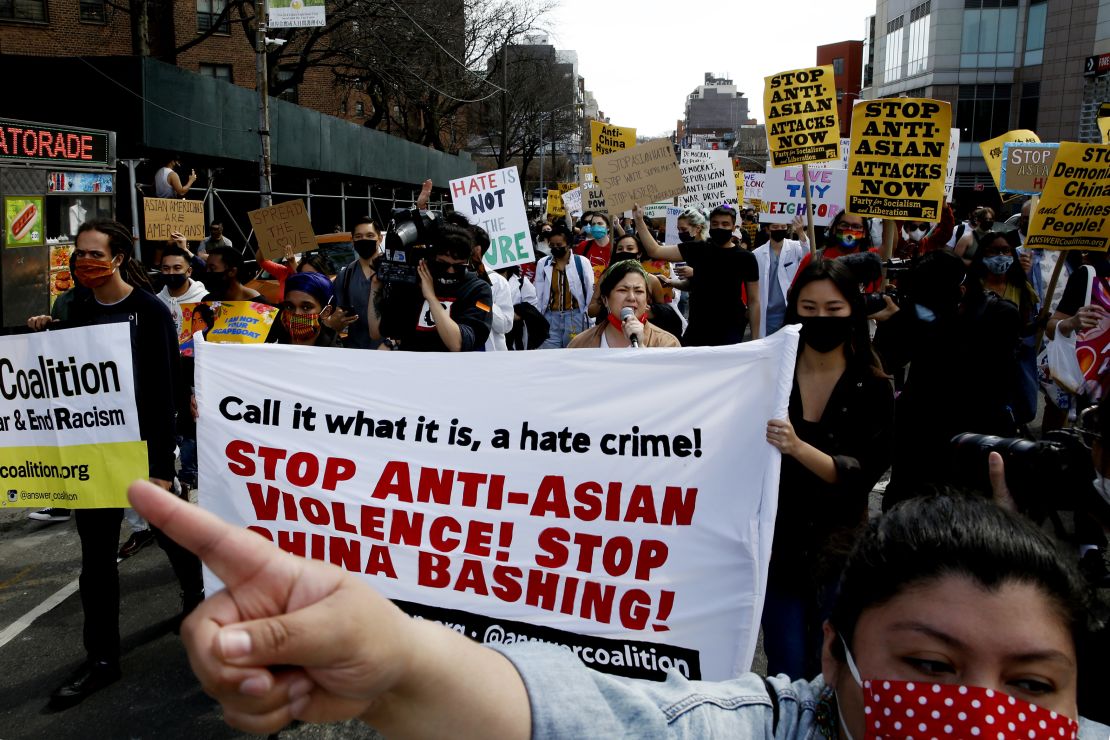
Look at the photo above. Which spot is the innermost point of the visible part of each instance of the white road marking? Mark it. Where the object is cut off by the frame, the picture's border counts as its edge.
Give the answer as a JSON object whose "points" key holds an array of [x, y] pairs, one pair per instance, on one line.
{"points": [[16, 628]]}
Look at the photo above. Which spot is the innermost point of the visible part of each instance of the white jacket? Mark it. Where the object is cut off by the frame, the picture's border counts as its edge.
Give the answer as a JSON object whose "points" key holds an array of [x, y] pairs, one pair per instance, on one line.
{"points": [[193, 294], [582, 293], [791, 256], [502, 310]]}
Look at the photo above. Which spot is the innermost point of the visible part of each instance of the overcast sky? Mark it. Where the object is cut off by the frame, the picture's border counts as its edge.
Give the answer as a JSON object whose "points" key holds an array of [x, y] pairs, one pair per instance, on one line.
{"points": [[641, 59]]}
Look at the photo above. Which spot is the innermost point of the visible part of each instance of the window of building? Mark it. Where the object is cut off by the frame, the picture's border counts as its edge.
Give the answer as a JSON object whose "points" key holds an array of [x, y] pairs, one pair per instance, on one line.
{"points": [[1029, 105], [838, 66], [1034, 33], [868, 52], [982, 112], [208, 14], [990, 33], [219, 71], [894, 50], [93, 11], [23, 10], [289, 94], [919, 39]]}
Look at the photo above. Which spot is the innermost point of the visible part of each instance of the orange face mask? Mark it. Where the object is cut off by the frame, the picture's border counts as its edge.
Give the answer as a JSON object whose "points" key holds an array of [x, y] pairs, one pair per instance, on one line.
{"points": [[92, 273]]}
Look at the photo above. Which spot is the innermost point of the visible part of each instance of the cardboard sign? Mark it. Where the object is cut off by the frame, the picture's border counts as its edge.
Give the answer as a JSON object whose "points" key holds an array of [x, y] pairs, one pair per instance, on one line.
{"points": [[707, 175], [801, 116], [555, 204], [623, 530], [753, 186], [586, 174], [163, 216], [953, 162], [607, 139], [1074, 212], [992, 151], [784, 194], [738, 181], [1026, 167], [643, 174], [593, 199], [494, 201], [899, 157], [23, 222], [286, 223], [572, 202], [69, 426]]}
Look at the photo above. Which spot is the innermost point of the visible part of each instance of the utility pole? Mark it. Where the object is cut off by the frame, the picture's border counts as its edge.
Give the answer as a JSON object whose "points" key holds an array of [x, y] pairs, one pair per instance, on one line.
{"points": [[263, 84], [503, 159]]}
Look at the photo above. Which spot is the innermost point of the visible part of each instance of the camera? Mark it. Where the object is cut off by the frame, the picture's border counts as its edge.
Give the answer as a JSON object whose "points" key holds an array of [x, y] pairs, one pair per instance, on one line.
{"points": [[873, 302], [1044, 477], [410, 233]]}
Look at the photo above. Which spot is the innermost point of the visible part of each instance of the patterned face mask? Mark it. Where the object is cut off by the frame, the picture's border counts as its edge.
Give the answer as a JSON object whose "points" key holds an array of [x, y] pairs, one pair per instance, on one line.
{"points": [[915, 709], [302, 327]]}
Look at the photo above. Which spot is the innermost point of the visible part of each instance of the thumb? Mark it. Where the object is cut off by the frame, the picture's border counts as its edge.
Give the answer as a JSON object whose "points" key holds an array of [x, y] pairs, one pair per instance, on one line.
{"points": [[305, 637], [1000, 491]]}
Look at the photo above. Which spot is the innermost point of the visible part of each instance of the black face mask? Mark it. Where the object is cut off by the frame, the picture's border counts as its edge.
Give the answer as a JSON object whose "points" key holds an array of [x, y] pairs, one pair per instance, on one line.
{"points": [[216, 282], [826, 333], [777, 235], [685, 236], [443, 277], [618, 256], [174, 282], [365, 248], [558, 252], [720, 237]]}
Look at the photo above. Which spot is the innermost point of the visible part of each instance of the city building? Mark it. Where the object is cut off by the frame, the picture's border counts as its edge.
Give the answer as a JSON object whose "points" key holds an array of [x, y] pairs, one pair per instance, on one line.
{"points": [[846, 59], [715, 108], [1003, 64]]}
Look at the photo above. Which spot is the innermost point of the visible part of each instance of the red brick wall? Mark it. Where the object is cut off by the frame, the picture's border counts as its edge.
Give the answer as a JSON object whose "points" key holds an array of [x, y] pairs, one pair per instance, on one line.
{"points": [[64, 34], [848, 82]]}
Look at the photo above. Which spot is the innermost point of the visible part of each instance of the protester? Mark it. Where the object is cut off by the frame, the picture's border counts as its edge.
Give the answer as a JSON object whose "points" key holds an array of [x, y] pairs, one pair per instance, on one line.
{"points": [[530, 328], [835, 445], [223, 277], [120, 290], [316, 263], [563, 292], [352, 287], [178, 286], [916, 238], [304, 309], [626, 247], [778, 260], [279, 271], [214, 239], [167, 184], [927, 597], [723, 274], [597, 245], [624, 285], [451, 313], [959, 343], [982, 223]]}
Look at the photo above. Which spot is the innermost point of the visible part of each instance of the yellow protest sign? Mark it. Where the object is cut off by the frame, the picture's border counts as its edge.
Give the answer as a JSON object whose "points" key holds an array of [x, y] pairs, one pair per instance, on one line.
{"points": [[39, 477], [898, 158], [801, 116], [738, 176], [992, 151], [555, 205], [586, 174], [1074, 212], [606, 138], [566, 187], [164, 216], [1104, 122]]}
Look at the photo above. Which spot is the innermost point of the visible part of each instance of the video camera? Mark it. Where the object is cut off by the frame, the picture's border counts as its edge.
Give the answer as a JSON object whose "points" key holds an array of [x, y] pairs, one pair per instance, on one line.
{"points": [[1044, 477], [867, 268], [410, 232]]}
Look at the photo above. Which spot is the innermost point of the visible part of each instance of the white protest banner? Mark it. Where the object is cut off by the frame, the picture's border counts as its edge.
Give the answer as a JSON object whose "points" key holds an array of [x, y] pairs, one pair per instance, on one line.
{"points": [[707, 175], [636, 535], [673, 212], [953, 161], [69, 428], [572, 202], [494, 201], [657, 210], [753, 186], [784, 194]]}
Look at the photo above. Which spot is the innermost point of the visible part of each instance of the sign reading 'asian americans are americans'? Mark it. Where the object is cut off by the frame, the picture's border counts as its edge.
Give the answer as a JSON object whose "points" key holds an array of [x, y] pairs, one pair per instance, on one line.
{"points": [[633, 535], [69, 428]]}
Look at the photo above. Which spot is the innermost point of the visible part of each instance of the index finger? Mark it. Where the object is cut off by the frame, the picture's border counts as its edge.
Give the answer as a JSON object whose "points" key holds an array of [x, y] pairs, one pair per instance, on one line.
{"points": [[233, 554]]}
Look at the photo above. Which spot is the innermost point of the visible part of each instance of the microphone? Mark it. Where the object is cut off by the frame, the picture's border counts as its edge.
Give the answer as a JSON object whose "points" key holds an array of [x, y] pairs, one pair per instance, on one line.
{"points": [[626, 314]]}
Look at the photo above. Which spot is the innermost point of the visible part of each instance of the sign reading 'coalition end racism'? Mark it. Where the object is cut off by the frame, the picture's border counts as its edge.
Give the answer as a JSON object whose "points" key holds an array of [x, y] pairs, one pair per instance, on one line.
{"points": [[899, 158]]}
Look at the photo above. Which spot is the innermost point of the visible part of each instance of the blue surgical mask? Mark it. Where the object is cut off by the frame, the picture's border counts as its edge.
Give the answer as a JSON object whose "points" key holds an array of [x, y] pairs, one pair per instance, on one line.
{"points": [[999, 263], [597, 231], [924, 314]]}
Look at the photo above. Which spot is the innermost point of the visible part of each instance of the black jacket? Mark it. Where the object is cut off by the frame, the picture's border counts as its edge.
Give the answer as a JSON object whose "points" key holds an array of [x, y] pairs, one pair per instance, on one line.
{"points": [[407, 318]]}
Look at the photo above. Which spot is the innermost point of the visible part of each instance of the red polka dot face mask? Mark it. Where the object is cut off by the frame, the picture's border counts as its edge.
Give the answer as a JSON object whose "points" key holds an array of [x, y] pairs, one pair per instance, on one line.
{"points": [[913, 709]]}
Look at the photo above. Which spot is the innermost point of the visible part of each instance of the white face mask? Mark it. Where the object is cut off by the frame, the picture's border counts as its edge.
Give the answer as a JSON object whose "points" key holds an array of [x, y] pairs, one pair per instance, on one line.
{"points": [[916, 235]]}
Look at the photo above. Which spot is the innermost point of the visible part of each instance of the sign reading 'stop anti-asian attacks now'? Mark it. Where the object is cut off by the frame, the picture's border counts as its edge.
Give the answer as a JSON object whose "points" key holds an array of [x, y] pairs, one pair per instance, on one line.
{"points": [[801, 116]]}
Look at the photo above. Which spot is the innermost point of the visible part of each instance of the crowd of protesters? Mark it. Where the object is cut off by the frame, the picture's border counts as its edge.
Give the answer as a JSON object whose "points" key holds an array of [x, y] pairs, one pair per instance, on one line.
{"points": [[895, 360]]}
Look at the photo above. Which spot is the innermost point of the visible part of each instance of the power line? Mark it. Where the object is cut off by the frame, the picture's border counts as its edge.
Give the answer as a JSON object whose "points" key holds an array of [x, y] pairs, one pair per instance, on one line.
{"points": [[444, 50], [425, 82], [162, 107]]}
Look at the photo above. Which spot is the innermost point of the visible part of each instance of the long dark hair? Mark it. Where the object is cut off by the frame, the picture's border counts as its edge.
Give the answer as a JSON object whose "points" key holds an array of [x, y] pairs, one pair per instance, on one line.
{"points": [[831, 239], [120, 242], [613, 252], [858, 350]]}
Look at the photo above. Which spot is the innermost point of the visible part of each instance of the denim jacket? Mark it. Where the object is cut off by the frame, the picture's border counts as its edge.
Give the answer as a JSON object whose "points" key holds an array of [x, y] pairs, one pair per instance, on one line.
{"points": [[571, 701]]}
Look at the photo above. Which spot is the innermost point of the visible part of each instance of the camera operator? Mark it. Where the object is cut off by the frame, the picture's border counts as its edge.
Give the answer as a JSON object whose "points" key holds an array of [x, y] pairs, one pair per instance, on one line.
{"points": [[960, 344], [445, 307]]}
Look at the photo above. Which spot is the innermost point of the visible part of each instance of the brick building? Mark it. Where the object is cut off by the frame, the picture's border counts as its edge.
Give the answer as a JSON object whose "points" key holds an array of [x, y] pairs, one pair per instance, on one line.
{"points": [[846, 59]]}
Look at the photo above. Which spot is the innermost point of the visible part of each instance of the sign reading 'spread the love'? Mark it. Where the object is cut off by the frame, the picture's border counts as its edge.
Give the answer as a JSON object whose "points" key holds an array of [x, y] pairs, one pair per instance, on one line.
{"points": [[635, 535], [69, 428]]}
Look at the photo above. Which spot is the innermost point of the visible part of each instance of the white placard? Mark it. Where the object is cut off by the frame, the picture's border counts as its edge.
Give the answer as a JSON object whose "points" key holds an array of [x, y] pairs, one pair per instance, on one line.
{"points": [[494, 201]]}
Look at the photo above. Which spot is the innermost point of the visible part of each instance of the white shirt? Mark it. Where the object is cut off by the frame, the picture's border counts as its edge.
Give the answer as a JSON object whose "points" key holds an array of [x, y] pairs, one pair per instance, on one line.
{"points": [[502, 310], [790, 257]]}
